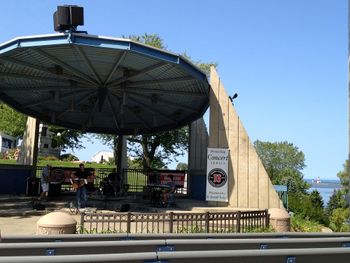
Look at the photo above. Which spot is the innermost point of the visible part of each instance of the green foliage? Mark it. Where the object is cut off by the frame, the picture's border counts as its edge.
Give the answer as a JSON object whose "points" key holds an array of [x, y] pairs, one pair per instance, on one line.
{"points": [[12, 122], [66, 138], [344, 177], [48, 158], [336, 200], [284, 163], [338, 220], [182, 166], [69, 157], [300, 224], [268, 229], [307, 206], [159, 149]]}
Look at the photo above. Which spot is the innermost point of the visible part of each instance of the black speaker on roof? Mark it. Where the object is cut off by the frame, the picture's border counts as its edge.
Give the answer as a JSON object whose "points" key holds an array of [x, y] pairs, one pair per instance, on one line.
{"points": [[68, 17]]}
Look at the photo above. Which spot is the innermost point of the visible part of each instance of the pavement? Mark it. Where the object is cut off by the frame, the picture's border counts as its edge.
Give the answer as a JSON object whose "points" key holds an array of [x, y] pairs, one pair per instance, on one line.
{"points": [[18, 217]]}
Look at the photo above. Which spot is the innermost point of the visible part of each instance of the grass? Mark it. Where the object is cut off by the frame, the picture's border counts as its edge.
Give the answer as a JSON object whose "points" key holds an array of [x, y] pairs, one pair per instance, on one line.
{"points": [[62, 163]]}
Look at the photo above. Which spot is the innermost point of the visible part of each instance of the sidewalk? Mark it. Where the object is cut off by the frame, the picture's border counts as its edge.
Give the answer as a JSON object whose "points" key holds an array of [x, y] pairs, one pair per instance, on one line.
{"points": [[17, 215]]}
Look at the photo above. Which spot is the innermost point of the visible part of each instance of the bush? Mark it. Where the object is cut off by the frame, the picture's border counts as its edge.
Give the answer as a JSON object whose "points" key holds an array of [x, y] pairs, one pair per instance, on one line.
{"points": [[68, 157], [338, 221], [301, 224]]}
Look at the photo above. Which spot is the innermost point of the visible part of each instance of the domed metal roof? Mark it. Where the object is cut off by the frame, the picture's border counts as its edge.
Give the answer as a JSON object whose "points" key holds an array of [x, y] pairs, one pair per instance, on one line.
{"points": [[101, 84]]}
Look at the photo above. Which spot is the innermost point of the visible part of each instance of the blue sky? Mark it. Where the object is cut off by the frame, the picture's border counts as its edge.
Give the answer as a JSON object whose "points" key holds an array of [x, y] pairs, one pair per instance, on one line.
{"points": [[287, 60]]}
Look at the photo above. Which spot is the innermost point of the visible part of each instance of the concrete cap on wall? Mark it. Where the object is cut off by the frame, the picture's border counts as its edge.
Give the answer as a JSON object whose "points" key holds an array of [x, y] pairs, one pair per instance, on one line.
{"points": [[56, 223]]}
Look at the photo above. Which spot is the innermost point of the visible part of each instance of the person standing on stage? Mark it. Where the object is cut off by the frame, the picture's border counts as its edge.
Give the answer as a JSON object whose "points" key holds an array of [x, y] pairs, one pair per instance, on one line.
{"points": [[81, 177]]}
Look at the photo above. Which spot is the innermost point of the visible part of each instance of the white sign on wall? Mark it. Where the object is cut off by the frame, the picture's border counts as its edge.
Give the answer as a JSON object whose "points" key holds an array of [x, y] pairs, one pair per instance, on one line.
{"points": [[217, 174]]}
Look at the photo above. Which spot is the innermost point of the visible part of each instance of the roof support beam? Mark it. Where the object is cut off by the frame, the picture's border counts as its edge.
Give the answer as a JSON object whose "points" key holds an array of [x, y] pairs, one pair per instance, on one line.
{"points": [[66, 66], [45, 70], [165, 102], [88, 63], [144, 71], [115, 67]]}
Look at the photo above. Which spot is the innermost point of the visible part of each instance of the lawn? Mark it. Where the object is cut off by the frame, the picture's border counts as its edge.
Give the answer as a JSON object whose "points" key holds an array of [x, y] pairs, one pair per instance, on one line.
{"points": [[62, 164]]}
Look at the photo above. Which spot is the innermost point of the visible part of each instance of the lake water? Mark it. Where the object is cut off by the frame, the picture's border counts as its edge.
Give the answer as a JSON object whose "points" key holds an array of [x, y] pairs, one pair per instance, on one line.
{"points": [[325, 188]]}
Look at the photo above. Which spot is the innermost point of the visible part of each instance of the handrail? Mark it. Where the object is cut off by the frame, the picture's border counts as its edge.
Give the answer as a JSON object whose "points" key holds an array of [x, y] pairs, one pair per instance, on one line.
{"points": [[325, 255], [136, 246], [126, 236]]}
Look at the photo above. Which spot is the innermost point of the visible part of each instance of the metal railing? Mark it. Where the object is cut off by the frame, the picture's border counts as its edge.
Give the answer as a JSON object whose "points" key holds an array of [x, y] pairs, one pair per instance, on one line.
{"points": [[218, 222], [193, 236]]}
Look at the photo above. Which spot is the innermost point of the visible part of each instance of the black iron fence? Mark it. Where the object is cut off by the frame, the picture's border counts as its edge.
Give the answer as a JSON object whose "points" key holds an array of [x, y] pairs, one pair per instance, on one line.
{"points": [[218, 222], [134, 179]]}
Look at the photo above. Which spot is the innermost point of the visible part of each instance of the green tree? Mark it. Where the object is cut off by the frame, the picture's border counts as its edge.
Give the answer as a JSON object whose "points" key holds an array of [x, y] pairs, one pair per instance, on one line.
{"points": [[66, 138], [158, 149], [284, 163], [338, 219], [182, 166], [336, 200], [344, 176], [12, 122]]}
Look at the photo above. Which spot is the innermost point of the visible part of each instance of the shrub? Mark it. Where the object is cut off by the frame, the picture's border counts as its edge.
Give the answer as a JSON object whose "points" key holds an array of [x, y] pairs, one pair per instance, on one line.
{"points": [[301, 224], [338, 221], [69, 157]]}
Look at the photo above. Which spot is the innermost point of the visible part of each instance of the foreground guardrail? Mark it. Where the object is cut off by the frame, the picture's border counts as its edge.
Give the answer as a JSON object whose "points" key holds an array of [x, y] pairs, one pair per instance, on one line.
{"points": [[339, 255], [129, 236], [136, 246]]}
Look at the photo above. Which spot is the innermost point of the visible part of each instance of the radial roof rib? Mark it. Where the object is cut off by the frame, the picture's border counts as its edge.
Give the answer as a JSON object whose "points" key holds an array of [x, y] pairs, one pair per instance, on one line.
{"points": [[85, 98], [163, 101], [88, 64], [66, 66], [30, 77], [162, 91], [144, 71], [148, 108], [113, 112], [44, 70], [158, 81], [115, 67], [41, 88], [139, 118]]}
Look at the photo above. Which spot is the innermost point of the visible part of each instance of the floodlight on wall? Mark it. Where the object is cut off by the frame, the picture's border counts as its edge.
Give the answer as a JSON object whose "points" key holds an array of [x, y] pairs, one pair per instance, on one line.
{"points": [[233, 97], [68, 17]]}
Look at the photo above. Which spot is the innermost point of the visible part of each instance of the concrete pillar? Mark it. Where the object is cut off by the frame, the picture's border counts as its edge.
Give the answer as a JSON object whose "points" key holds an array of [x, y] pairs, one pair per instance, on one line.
{"points": [[197, 159], [29, 147]]}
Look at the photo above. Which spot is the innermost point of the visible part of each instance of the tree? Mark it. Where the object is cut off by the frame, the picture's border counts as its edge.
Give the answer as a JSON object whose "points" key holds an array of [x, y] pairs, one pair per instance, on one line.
{"points": [[66, 138], [336, 200], [344, 177], [182, 166], [284, 163], [338, 218], [12, 122], [158, 149]]}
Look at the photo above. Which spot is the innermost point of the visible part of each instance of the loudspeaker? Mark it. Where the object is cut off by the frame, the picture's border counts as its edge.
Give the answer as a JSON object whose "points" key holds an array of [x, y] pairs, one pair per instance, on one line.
{"points": [[76, 16], [67, 17]]}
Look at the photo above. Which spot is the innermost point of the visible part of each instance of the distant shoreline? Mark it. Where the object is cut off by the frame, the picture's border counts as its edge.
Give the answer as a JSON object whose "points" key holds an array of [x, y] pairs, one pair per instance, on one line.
{"points": [[324, 183]]}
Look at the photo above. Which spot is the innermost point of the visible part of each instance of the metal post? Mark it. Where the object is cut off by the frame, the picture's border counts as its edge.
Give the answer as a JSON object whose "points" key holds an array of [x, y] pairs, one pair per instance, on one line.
{"points": [[349, 106]]}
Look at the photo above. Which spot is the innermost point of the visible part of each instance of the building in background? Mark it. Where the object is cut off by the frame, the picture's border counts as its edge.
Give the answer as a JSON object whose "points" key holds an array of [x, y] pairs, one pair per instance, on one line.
{"points": [[46, 145], [102, 156], [7, 142]]}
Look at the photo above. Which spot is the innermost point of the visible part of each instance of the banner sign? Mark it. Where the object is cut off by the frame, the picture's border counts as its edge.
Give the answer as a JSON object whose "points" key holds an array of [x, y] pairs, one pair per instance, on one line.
{"points": [[217, 174], [163, 177]]}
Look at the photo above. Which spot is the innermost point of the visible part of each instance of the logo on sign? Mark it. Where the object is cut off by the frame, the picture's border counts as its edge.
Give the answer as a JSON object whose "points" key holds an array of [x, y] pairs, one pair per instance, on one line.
{"points": [[217, 177]]}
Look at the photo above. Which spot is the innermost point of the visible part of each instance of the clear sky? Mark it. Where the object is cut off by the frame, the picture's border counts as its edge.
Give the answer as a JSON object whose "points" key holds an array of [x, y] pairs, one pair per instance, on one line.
{"points": [[287, 60]]}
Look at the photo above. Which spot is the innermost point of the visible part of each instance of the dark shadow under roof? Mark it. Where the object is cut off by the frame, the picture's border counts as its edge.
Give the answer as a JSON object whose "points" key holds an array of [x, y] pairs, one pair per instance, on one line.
{"points": [[100, 84]]}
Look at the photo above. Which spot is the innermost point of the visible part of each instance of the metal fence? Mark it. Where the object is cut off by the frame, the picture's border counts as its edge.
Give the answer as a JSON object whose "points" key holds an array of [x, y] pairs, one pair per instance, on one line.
{"points": [[137, 180], [134, 179], [219, 222]]}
